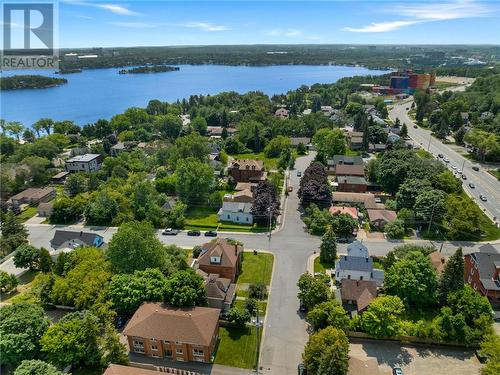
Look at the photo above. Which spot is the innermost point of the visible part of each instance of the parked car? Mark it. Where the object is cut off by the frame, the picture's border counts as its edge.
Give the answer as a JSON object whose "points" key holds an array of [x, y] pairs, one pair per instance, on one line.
{"points": [[454, 167], [459, 171], [397, 371], [483, 197], [483, 358], [301, 369], [472, 186], [475, 167], [415, 126], [303, 308], [170, 232], [299, 173], [211, 233], [440, 156], [290, 189], [194, 233]]}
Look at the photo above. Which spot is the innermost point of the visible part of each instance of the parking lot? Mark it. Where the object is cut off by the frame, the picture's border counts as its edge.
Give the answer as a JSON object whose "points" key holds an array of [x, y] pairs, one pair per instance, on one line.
{"points": [[417, 360]]}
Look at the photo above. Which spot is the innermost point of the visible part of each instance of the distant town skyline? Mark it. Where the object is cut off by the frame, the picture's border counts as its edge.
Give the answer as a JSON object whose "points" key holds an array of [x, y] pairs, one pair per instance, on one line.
{"points": [[155, 23]]}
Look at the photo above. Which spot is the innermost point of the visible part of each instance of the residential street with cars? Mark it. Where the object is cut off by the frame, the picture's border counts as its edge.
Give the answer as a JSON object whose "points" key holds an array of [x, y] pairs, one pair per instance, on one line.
{"points": [[484, 183]]}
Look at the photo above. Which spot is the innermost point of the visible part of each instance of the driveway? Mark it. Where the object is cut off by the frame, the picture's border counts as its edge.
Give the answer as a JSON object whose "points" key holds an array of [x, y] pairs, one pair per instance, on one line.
{"points": [[417, 360]]}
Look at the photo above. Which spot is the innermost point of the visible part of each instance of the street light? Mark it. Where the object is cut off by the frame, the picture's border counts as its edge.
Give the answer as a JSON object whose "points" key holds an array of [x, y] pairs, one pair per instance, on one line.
{"points": [[270, 213]]}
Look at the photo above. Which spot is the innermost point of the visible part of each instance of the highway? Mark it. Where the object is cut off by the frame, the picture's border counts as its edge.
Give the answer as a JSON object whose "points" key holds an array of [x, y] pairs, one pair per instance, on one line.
{"points": [[484, 183]]}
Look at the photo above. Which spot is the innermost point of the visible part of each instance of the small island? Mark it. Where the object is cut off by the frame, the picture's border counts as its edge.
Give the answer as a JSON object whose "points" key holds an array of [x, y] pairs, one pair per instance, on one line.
{"points": [[69, 71], [149, 69], [30, 82]]}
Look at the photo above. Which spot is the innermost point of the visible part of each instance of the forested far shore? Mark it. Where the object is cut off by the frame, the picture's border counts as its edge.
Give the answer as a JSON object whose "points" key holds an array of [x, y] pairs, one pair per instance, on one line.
{"points": [[30, 82], [149, 69]]}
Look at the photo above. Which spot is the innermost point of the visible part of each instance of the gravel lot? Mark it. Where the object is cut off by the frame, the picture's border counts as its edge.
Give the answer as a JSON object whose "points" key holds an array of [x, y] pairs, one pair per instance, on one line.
{"points": [[418, 360]]}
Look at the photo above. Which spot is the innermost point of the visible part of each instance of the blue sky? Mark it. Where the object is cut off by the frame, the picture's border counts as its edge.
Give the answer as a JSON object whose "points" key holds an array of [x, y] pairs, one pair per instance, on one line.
{"points": [[160, 23]]}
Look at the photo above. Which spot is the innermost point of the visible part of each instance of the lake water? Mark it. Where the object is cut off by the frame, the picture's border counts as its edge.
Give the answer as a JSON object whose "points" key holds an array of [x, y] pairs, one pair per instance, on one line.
{"points": [[102, 93]]}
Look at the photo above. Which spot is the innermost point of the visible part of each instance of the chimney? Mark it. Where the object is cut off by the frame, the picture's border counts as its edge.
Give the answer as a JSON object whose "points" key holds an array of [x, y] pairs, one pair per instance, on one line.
{"points": [[236, 249]]}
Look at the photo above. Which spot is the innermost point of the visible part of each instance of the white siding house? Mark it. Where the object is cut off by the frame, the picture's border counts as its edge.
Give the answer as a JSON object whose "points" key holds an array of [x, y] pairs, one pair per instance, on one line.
{"points": [[236, 212], [357, 265], [84, 163]]}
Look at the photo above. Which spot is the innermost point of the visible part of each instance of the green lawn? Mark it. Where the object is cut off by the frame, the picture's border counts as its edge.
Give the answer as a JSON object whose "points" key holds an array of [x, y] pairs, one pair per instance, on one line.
{"points": [[28, 213], [205, 219], [22, 289], [256, 268], [424, 154], [495, 173], [414, 314], [321, 267], [237, 347], [269, 163], [350, 152], [240, 304]]}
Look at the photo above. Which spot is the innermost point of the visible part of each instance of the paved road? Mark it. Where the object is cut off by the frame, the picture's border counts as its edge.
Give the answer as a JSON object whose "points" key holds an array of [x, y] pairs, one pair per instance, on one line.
{"points": [[284, 329], [484, 183]]}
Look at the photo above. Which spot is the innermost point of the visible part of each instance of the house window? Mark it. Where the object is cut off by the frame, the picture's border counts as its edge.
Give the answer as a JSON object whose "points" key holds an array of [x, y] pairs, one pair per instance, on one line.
{"points": [[228, 217], [361, 278], [154, 347], [138, 344], [168, 353], [247, 219], [179, 351], [237, 218], [197, 352], [348, 277], [139, 350]]}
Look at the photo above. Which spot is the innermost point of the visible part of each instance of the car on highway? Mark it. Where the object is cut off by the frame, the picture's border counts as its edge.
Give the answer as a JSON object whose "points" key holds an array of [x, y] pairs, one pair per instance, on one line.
{"points": [[170, 232], [483, 197], [299, 173], [440, 156], [397, 371], [454, 167], [446, 160], [472, 186], [211, 233], [194, 233], [459, 171], [475, 168], [464, 177]]}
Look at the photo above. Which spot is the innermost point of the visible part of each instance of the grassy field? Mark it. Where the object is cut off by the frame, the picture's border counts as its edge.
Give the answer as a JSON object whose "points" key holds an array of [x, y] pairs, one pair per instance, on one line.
{"points": [[206, 219], [269, 163], [25, 281], [441, 85], [256, 268], [321, 267], [28, 213], [237, 347]]}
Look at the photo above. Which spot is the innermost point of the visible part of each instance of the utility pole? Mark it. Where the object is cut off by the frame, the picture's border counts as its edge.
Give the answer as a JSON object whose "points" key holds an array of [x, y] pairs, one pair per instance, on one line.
{"points": [[429, 145], [270, 212], [430, 222], [463, 165], [258, 339]]}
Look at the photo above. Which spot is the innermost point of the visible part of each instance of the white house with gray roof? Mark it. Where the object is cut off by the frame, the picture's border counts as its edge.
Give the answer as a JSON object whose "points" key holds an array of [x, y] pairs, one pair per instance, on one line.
{"points": [[84, 163], [236, 212], [357, 265]]}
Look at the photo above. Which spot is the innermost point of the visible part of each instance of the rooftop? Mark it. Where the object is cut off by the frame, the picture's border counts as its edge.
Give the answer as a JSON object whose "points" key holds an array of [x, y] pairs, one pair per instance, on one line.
{"points": [[351, 211], [248, 164], [367, 199], [244, 207], [350, 170], [228, 252], [83, 158], [195, 325], [34, 193], [385, 215]]}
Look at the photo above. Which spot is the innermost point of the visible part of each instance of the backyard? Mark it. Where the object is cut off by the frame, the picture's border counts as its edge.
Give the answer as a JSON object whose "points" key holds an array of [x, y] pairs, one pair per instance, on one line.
{"points": [[205, 218], [256, 268], [269, 163]]}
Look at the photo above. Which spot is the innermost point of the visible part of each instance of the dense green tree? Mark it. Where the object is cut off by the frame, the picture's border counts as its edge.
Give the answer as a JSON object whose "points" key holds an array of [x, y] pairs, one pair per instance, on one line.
{"points": [[383, 316], [329, 313], [328, 248], [14, 233], [266, 203], [21, 327], [175, 218], [191, 145], [403, 133], [128, 291], [185, 288], [84, 284], [27, 256], [112, 350], [101, 209], [76, 183], [447, 182], [430, 206], [36, 367], [408, 192], [199, 124], [329, 142], [462, 219], [452, 277], [73, 340], [327, 352], [343, 224], [395, 229], [490, 347], [194, 180], [238, 316], [67, 210], [251, 134], [135, 247], [413, 279], [312, 290], [276, 145], [168, 125], [8, 282]]}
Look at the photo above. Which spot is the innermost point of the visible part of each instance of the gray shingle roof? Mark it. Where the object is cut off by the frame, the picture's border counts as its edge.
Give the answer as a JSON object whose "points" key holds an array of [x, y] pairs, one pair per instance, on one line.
{"points": [[486, 268], [244, 207], [62, 236], [355, 263]]}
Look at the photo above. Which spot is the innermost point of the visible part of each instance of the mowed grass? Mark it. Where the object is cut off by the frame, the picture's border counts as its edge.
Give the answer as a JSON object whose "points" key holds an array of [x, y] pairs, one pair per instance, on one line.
{"points": [[204, 218], [237, 347], [240, 304], [256, 268], [321, 267], [28, 213]]}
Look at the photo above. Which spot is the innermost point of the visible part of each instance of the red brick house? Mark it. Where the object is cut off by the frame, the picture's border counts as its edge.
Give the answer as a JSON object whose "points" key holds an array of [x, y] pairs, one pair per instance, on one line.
{"points": [[353, 184], [247, 170], [357, 294], [482, 272], [176, 333], [221, 257]]}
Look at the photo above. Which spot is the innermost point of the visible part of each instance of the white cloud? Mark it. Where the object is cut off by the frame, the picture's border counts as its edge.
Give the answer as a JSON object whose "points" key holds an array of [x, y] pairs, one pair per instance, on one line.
{"points": [[114, 8], [134, 25], [206, 26], [427, 12], [381, 27], [290, 33], [117, 9]]}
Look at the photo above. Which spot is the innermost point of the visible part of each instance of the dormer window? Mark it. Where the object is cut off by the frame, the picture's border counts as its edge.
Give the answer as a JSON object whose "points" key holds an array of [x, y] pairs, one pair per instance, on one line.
{"points": [[215, 260], [253, 167]]}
